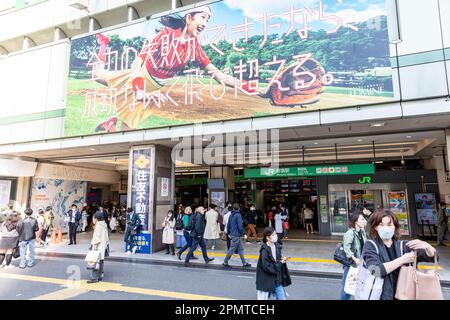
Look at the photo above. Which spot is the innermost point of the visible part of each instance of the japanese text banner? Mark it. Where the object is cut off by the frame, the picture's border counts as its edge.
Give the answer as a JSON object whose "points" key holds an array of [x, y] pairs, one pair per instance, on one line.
{"points": [[203, 64]]}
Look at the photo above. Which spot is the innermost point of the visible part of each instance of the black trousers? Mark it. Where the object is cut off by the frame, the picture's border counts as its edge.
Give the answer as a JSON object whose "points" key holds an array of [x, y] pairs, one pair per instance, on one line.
{"points": [[97, 274], [170, 248], [73, 232], [44, 234]]}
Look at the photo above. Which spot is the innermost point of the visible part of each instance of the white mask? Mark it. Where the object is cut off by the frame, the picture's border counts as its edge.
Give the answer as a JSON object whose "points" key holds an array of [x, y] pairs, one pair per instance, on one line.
{"points": [[386, 233]]}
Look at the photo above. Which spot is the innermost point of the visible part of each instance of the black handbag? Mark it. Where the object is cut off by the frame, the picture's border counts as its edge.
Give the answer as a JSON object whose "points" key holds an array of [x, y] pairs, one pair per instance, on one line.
{"points": [[341, 257], [107, 251], [16, 252]]}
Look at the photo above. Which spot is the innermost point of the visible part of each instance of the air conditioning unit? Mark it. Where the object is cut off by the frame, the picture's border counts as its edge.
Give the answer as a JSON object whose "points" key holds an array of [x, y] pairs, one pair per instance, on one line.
{"points": [[79, 4]]}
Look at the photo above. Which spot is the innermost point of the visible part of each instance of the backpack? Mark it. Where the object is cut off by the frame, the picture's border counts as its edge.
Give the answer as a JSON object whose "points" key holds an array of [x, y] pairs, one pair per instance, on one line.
{"points": [[179, 223], [191, 222]]}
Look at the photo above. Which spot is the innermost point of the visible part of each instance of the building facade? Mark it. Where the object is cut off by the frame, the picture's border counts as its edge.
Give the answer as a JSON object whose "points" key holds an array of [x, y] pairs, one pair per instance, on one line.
{"points": [[371, 87]]}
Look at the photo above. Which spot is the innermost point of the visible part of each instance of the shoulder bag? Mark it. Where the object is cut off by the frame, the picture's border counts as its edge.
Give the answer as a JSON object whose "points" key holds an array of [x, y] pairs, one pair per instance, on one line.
{"points": [[413, 284]]}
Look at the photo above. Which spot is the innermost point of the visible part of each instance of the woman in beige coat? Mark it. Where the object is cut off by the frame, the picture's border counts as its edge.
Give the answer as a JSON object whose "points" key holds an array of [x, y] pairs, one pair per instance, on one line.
{"points": [[100, 241], [168, 233], [212, 229]]}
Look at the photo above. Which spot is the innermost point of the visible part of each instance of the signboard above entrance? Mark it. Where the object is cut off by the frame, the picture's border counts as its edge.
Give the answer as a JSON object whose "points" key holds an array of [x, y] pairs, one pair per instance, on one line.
{"points": [[309, 171]]}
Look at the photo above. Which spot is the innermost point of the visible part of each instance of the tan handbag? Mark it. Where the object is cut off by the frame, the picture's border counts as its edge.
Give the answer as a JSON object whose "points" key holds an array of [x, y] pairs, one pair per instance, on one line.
{"points": [[413, 284]]}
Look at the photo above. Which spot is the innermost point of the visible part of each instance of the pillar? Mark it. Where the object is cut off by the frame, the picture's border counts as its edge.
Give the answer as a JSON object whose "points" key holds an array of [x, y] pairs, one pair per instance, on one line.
{"points": [[23, 194], [151, 192], [226, 173]]}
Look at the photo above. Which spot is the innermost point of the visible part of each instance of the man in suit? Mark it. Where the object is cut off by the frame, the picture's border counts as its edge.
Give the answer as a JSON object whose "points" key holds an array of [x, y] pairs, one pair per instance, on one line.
{"points": [[74, 220], [133, 223]]}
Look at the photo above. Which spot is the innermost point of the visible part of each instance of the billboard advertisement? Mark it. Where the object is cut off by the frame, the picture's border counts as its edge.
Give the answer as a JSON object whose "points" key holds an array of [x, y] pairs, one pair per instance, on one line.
{"points": [[426, 207], [230, 59]]}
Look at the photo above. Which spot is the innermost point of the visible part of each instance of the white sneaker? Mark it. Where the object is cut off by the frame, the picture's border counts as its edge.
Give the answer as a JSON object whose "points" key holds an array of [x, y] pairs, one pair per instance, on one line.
{"points": [[134, 250], [128, 252], [213, 248], [9, 267]]}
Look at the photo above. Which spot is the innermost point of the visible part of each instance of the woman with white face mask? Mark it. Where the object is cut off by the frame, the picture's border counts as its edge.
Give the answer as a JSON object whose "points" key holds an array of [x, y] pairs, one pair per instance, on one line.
{"points": [[272, 274], [385, 231], [168, 233]]}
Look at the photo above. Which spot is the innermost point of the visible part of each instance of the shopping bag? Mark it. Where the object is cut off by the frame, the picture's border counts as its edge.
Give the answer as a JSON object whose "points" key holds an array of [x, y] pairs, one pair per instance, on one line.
{"points": [[413, 284], [368, 286], [93, 260], [350, 281]]}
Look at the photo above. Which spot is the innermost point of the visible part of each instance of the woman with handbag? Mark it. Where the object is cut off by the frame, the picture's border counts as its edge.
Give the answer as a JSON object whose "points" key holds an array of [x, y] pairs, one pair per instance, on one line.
{"points": [[99, 243], [386, 254], [10, 238], [272, 274], [353, 244], [168, 233]]}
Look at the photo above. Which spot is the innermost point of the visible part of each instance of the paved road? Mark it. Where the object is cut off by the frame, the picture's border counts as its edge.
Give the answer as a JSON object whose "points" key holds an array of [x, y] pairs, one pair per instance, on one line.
{"points": [[62, 278]]}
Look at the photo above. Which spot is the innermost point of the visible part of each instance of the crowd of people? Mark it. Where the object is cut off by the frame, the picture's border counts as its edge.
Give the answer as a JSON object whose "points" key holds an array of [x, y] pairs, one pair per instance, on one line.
{"points": [[187, 228]]}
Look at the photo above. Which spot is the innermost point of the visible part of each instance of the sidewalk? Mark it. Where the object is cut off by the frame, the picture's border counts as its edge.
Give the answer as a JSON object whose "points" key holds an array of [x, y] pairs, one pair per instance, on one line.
{"points": [[308, 256]]}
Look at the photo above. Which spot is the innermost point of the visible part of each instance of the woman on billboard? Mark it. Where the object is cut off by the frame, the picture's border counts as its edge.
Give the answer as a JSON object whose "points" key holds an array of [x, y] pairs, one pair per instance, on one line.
{"points": [[148, 70], [175, 46]]}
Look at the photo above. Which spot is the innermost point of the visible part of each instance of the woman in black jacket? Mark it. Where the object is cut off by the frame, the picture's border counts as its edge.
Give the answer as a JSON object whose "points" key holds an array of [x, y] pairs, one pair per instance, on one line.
{"points": [[272, 274], [383, 255]]}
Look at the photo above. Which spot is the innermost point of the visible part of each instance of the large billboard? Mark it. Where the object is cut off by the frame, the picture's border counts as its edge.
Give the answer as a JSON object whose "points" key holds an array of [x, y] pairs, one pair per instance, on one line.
{"points": [[230, 59]]}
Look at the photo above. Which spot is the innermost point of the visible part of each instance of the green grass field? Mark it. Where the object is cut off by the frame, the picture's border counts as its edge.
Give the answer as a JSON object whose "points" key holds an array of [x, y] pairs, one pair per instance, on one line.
{"points": [[76, 124]]}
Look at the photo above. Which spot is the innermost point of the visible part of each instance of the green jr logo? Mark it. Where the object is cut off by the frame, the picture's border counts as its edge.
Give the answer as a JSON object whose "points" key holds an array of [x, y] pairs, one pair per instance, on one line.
{"points": [[365, 180]]}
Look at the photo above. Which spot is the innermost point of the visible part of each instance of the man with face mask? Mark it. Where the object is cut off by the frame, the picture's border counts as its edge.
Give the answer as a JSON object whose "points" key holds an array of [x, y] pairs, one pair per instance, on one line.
{"points": [[74, 216]]}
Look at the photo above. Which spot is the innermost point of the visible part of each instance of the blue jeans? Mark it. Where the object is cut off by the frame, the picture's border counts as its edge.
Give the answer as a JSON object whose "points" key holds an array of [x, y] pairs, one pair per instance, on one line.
{"points": [[23, 252], [280, 294], [343, 295], [188, 244]]}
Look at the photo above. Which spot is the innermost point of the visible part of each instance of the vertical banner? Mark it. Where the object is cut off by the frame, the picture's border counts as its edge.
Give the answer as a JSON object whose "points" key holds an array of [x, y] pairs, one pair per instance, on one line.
{"points": [[323, 209], [141, 194], [397, 204]]}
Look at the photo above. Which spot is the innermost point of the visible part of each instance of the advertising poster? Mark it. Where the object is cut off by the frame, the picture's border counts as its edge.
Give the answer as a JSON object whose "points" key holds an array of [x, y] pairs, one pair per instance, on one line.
{"points": [[142, 241], [426, 207], [323, 209], [5, 192], [140, 188], [218, 198], [397, 204], [204, 64], [60, 195]]}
